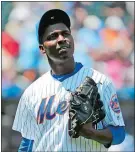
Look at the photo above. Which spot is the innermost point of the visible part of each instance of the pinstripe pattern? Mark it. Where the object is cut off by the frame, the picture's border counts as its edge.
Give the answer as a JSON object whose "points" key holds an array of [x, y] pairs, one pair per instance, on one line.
{"points": [[52, 135]]}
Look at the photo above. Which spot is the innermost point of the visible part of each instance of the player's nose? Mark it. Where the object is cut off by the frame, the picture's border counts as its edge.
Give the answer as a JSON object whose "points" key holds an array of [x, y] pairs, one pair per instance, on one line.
{"points": [[60, 38], [61, 42]]}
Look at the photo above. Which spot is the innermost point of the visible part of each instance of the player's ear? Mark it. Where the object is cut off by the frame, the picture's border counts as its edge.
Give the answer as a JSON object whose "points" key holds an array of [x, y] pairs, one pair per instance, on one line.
{"points": [[42, 49]]}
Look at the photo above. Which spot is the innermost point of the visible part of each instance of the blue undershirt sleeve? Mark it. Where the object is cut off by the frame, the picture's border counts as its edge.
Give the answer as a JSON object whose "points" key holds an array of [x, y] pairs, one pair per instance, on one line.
{"points": [[118, 133], [26, 145]]}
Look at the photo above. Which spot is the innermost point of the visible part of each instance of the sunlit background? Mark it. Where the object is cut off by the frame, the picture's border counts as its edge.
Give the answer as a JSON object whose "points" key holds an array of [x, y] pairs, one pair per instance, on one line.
{"points": [[104, 40]]}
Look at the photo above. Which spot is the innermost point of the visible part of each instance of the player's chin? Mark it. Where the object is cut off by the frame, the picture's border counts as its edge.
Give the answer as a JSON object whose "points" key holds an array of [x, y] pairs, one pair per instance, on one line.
{"points": [[66, 56], [63, 59]]}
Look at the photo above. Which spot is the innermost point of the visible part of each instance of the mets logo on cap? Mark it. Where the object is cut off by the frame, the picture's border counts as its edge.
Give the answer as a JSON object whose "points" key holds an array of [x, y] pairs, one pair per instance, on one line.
{"points": [[114, 104]]}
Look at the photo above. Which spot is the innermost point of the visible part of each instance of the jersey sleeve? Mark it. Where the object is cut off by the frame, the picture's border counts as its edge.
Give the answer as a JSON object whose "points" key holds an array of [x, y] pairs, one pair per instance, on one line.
{"points": [[24, 121], [112, 107]]}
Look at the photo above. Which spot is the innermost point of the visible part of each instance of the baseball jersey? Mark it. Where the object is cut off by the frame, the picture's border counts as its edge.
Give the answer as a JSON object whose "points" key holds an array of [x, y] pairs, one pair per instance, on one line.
{"points": [[42, 113]]}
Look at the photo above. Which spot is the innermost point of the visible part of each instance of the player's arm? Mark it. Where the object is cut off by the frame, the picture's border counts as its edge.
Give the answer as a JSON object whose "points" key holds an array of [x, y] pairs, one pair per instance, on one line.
{"points": [[24, 123], [113, 131], [112, 135]]}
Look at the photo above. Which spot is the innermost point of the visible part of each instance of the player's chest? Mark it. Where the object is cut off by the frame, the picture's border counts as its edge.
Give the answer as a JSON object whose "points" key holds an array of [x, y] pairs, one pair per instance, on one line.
{"points": [[52, 105]]}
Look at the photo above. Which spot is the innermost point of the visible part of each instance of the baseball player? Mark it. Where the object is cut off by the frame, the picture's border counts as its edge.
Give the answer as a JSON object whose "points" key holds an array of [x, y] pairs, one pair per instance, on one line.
{"points": [[43, 110]]}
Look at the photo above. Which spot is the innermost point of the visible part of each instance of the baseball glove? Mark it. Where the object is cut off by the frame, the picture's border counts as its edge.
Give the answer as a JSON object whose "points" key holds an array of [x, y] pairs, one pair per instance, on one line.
{"points": [[85, 107]]}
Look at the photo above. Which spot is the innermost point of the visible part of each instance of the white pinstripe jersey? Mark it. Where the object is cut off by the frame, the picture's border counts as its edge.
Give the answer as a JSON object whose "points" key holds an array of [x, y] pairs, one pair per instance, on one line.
{"points": [[42, 113]]}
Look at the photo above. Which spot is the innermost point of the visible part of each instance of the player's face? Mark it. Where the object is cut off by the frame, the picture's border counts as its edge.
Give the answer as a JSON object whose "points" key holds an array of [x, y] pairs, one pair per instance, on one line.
{"points": [[58, 43]]}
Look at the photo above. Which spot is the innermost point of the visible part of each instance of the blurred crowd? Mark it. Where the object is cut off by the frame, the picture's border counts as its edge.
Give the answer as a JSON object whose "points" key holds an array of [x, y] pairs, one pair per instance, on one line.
{"points": [[104, 40]]}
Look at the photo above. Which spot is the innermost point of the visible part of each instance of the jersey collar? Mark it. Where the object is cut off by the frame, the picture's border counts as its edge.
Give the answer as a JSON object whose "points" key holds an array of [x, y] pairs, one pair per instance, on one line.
{"points": [[61, 78]]}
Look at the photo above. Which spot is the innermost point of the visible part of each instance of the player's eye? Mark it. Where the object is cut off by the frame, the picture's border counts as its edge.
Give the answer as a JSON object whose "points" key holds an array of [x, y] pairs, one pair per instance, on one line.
{"points": [[65, 33], [52, 36]]}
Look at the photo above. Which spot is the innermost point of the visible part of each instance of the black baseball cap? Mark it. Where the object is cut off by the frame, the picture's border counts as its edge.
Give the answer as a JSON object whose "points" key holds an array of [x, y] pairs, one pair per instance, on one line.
{"points": [[51, 17]]}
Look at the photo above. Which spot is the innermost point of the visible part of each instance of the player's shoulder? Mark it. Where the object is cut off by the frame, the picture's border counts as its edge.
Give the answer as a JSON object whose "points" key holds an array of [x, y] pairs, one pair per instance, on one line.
{"points": [[38, 83], [101, 77], [33, 91], [98, 76]]}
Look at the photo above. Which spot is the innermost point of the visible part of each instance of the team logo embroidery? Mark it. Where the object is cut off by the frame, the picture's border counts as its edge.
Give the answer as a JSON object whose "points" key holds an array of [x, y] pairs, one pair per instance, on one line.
{"points": [[114, 104], [45, 109]]}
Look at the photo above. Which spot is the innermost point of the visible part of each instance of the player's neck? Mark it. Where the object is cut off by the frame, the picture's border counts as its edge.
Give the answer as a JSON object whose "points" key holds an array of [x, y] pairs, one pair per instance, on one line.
{"points": [[63, 68]]}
